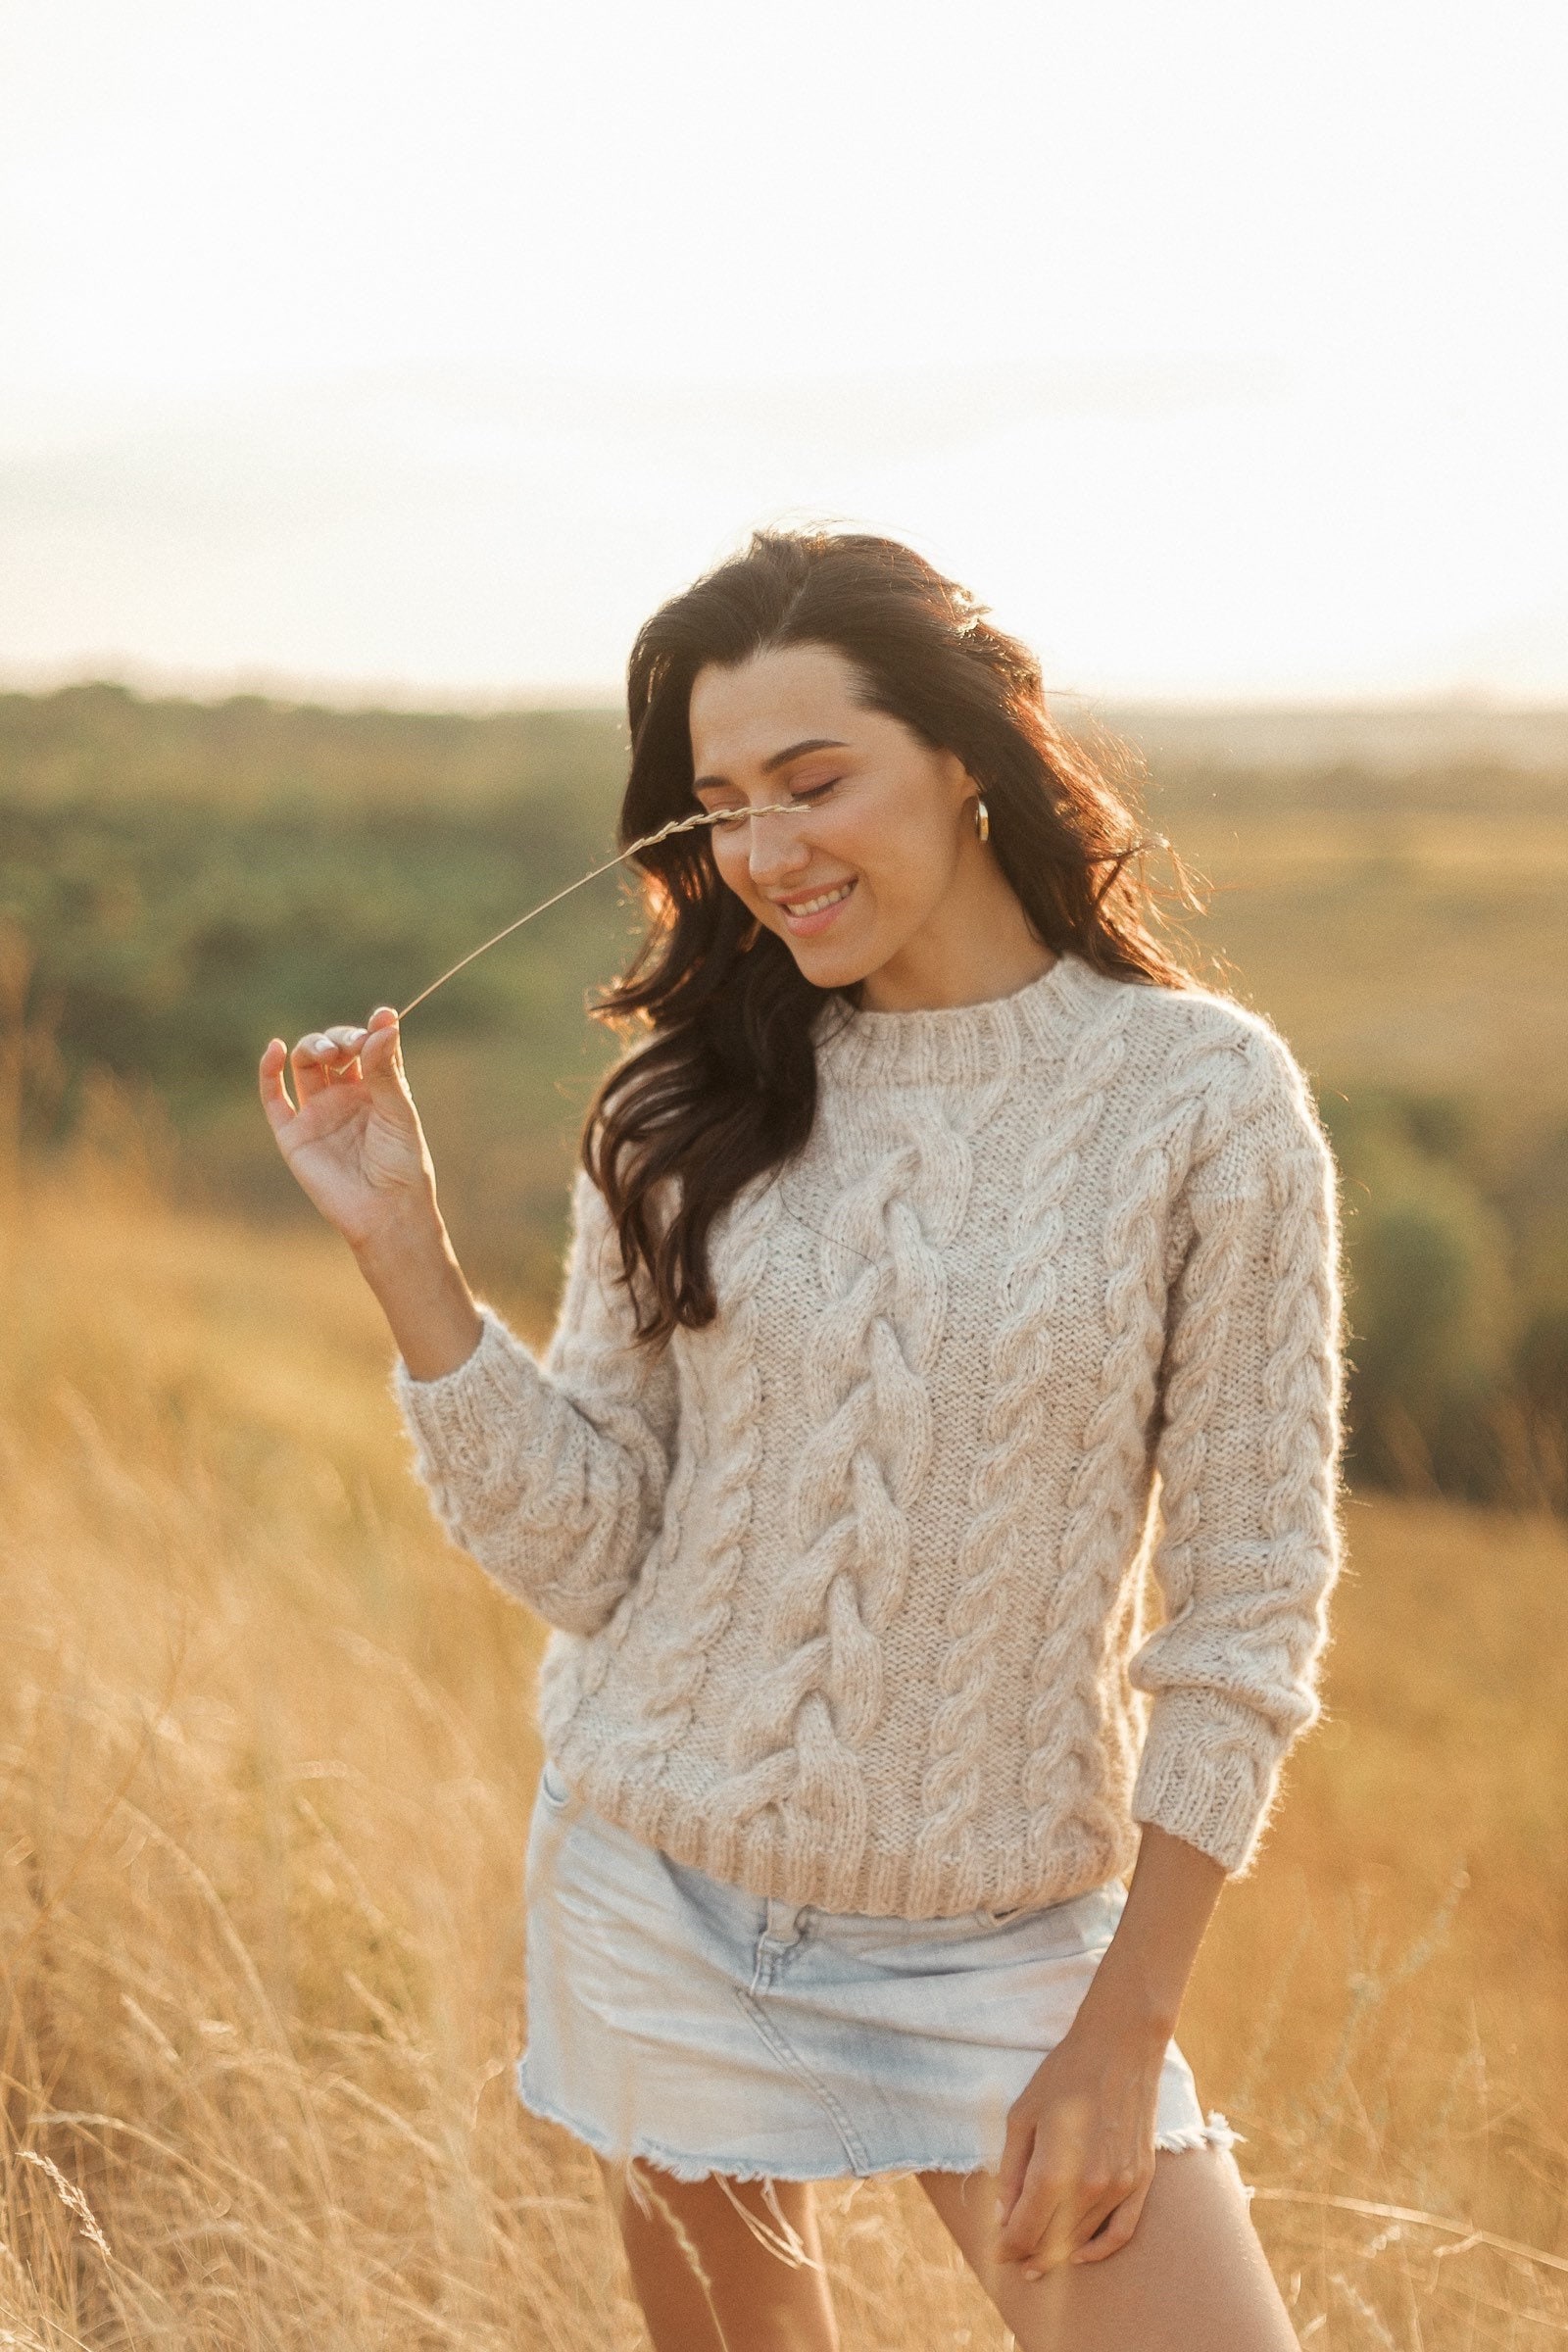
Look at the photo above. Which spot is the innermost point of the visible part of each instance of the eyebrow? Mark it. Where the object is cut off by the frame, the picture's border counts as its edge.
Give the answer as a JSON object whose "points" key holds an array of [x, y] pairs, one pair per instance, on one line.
{"points": [[778, 760]]}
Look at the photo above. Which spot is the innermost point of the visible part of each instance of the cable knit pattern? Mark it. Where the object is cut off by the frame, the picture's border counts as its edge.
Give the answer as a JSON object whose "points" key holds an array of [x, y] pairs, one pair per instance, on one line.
{"points": [[1000, 1497], [846, 1589], [681, 1652], [870, 1373]]}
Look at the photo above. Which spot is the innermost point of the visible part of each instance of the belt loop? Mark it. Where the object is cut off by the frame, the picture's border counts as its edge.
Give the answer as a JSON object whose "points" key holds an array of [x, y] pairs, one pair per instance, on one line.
{"points": [[783, 1925]]}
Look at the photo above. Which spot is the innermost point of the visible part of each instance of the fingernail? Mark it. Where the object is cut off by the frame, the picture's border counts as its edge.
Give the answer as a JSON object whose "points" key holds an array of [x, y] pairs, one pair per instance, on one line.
{"points": [[1031, 2273]]}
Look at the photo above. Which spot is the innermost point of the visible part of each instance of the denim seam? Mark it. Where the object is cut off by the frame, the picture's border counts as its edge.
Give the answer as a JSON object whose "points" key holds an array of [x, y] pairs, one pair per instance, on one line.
{"points": [[792, 2058]]}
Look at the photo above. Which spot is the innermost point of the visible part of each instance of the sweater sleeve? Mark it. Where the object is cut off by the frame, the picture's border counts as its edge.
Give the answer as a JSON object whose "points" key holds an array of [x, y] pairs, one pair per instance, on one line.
{"points": [[1248, 1451], [552, 1472]]}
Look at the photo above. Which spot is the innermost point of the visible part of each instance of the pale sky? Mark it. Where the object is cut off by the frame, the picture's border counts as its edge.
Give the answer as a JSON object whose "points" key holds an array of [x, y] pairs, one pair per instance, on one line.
{"points": [[422, 349]]}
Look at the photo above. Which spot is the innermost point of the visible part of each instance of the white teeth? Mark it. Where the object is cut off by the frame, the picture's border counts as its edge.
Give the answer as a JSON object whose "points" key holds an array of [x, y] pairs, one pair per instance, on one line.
{"points": [[815, 906]]}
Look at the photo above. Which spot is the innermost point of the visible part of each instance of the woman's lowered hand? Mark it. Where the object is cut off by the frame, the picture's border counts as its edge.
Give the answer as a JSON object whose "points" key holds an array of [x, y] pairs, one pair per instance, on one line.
{"points": [[1079, 2156]]}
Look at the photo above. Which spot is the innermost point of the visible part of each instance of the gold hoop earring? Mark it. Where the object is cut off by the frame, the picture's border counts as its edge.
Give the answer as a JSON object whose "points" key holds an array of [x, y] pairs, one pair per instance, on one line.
{"points": [[982, 819], [753, 936]]}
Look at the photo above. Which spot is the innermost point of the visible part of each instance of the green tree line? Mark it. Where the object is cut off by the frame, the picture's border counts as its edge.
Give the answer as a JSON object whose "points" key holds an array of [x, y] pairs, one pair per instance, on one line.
{"points": [[180, 881]]}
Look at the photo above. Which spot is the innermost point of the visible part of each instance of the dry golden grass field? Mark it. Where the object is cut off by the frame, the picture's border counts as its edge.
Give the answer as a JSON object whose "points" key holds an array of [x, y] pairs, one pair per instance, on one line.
{"points": [[267, 1760]]}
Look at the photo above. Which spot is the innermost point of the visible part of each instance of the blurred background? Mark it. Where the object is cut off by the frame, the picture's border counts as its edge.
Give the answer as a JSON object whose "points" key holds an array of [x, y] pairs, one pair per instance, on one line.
{"points": [[368, 375]]}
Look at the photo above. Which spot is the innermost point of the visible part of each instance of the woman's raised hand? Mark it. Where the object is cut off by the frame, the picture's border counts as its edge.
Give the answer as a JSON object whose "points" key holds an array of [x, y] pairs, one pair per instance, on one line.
{"points": [[354, 1144]]}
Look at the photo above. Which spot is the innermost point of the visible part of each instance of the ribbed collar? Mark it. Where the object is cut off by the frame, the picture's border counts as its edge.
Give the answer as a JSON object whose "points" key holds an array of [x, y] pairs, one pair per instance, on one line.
{"points": [[958, 1044]]}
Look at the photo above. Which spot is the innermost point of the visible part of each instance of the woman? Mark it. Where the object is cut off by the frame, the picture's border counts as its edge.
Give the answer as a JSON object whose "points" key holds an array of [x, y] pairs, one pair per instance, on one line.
{"points": [[933, 1212]]}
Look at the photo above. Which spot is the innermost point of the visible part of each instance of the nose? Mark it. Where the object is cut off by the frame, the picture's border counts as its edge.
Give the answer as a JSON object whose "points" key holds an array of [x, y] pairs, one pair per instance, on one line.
{"points": [[776, 850]]}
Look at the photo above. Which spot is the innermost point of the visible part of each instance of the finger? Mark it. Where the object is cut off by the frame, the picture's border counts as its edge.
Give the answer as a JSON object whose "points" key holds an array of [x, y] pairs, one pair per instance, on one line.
{"points": [[1060, 2209], [275, 1094], [348, 1041], [383, 1022], [1093, 2216], [1113, 2234], [1098, 2210], [381, 1056], [309, 1059], [1106, 2241], [1054, 2194], [1058, 2232], [381, 1025], [1012, 2174], [1032, 2217], [1078, 2215]]}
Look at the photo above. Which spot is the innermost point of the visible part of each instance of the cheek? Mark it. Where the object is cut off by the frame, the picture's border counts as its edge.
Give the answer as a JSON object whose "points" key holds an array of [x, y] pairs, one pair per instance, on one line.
{"points": [[909, 877], [731, 859]]}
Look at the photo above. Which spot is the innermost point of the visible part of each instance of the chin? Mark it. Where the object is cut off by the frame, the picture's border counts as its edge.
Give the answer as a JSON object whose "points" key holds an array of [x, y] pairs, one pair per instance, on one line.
{"points": [[827, 969]]}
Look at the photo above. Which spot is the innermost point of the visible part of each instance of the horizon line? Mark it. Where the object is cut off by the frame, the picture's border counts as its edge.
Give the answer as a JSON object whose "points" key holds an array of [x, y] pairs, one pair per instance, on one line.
{"points": [[347, 697]]}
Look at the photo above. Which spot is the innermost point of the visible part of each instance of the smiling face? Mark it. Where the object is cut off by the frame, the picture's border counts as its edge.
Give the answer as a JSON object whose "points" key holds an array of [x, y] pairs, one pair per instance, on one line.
{"points": [[880, 872]]}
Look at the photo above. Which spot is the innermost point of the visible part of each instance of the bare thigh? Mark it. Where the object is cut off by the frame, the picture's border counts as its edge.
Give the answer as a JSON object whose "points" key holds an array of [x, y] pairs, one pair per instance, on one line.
{"points": [[1193, 2277], [724, 2265]]}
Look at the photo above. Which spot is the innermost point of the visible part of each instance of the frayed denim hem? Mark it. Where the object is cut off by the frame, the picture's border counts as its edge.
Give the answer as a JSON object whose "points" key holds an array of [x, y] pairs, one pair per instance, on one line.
{"points": [[1216, 2133], [740, 2167]]}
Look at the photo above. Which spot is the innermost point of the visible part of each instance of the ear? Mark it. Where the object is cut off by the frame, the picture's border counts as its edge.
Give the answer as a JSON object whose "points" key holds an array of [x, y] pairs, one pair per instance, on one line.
{"points": [[960, 785], [958, 779]]}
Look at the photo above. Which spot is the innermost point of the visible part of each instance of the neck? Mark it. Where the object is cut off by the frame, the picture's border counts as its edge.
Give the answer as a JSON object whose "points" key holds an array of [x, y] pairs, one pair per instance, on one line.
{"points": [[971, 972]]}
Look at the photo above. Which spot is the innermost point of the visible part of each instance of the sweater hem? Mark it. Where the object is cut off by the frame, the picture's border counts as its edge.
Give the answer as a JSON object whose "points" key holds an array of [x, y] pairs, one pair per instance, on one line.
{"points": [[876, 1885]]}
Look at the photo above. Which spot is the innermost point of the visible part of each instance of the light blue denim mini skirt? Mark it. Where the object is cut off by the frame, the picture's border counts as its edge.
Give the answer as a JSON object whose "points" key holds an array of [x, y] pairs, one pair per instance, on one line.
{"points": [[684, 2021]]}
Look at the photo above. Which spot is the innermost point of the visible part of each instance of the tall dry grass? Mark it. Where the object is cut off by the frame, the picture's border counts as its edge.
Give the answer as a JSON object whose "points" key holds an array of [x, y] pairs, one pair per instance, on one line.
{"points": [[267, 1764]]}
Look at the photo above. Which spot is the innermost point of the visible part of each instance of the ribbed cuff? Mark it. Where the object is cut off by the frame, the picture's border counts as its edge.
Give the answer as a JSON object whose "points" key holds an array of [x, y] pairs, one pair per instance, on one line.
{"points": [[1208, 1773], [457, 1414]]}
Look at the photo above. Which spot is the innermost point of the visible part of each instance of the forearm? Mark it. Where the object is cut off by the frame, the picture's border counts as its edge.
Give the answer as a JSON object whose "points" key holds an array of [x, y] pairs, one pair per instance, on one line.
{"points": [[552, 1479], [413, 1271], [1140, 1984]]}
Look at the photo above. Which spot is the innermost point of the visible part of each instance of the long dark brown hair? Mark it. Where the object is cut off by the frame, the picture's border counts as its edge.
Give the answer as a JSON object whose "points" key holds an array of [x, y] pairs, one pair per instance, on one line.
{"points": [[725, 1085]]}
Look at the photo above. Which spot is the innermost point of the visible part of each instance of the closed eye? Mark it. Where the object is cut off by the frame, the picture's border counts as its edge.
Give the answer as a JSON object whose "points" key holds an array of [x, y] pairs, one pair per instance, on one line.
{"points": [[732, 817]]}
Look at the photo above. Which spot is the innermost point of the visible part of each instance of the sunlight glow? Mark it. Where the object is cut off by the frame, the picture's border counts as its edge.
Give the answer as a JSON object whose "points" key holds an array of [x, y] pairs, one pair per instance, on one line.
{"points": [[422, 350]]}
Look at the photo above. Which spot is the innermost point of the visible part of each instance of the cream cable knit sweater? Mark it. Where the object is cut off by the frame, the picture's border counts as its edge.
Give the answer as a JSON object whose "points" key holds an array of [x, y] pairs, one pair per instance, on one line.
{"points": [[848, 1590]]}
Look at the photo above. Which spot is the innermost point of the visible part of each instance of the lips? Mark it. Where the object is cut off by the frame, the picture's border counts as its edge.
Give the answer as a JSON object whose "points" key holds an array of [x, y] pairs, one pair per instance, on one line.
{"points": [[817, 911], [818, 901]]}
